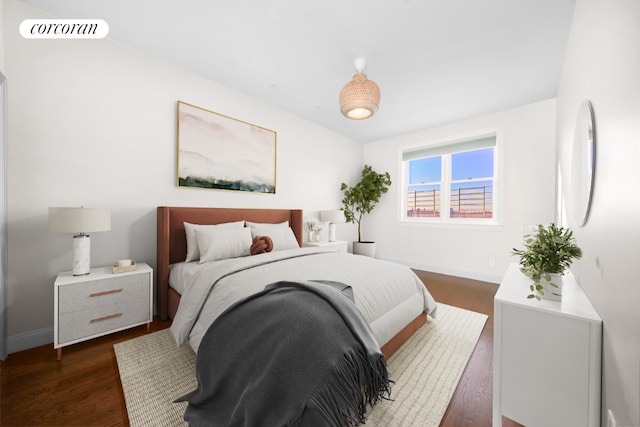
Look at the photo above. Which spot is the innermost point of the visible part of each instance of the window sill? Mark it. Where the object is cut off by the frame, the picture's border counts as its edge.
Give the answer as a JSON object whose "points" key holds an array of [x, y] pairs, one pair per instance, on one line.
{"points": [[486, 226]]}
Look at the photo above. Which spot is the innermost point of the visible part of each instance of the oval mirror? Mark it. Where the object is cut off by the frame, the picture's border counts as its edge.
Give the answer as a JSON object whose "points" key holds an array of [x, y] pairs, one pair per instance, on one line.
{"points": [[584, 162]]}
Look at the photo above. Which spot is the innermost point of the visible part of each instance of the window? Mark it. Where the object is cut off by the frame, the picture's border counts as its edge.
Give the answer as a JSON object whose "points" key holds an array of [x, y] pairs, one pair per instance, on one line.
{"points": [[453, 182]]}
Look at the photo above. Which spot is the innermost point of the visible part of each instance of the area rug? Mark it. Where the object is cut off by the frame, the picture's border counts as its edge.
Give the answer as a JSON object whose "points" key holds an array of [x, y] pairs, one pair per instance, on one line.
{"points": [[426, 371]]}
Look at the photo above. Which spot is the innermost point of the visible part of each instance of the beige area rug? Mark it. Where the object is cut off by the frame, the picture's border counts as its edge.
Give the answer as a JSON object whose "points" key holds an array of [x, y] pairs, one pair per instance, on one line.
{"points": [[426, 371]]}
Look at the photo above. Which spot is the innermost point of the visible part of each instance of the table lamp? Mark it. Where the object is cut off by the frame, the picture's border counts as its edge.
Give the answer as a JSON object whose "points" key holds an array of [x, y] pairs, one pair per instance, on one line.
{"points": [[80, 221], [332, 217]]}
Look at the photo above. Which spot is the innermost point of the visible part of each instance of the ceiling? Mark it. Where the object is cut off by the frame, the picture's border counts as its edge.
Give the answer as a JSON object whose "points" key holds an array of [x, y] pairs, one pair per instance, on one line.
{"points": [[436, 61]]}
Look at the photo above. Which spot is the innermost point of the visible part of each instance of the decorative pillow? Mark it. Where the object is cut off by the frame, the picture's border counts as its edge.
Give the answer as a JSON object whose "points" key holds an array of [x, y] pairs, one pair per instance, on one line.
{"points": [[261, 244], [193, 252], [282, 237], [221, 243], [267, 224]]}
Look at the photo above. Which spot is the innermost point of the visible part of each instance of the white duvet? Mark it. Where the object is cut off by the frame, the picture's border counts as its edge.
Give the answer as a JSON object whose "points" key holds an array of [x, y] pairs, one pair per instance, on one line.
{"points": [[388, 295]]}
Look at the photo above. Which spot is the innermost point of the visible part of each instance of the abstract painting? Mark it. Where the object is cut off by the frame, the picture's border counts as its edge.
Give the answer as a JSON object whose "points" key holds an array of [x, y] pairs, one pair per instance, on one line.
{"points": [[220, 152]]}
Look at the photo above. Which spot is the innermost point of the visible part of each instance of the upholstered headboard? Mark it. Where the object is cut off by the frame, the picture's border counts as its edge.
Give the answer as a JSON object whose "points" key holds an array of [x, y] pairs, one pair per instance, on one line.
{"points": [[172, 241]]}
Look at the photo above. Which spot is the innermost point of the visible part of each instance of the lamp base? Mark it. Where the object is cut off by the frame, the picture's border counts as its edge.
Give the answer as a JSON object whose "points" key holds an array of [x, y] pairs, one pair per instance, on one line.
{"points": [[81, 255], [332, 231]]}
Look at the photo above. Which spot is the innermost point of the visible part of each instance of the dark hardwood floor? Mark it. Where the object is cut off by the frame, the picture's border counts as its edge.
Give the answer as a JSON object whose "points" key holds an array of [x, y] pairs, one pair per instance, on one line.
{"points": [[471, 403], [83, 389]]}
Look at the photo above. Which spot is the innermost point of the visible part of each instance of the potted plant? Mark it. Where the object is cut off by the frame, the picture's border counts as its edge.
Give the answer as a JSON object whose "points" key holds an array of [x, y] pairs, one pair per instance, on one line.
{"points": [[313, 228], [361, 199], [547, 255]]}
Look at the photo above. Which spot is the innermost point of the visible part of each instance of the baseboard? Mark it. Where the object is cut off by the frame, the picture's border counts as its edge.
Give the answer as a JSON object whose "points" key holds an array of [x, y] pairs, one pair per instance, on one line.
{"points": [[29, 340], [491, 278]]}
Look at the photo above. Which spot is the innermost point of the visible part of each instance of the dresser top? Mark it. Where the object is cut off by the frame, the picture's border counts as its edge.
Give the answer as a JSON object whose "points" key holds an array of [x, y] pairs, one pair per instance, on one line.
{"points": [[514, 289]]}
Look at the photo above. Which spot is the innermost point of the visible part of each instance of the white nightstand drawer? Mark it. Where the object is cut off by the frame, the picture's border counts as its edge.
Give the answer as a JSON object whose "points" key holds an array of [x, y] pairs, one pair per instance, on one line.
{"points": [[86, 323], [87, 296]]}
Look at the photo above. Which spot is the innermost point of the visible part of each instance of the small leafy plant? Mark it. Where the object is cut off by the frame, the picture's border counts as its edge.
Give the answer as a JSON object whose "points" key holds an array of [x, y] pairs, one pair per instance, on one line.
{"points": [[312, 224], [364, 196], [551, 250]]}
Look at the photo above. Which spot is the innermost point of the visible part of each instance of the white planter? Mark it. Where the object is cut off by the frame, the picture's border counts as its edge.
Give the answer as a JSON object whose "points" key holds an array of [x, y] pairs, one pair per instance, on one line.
{"points": [[553, 293], [365, 248]]}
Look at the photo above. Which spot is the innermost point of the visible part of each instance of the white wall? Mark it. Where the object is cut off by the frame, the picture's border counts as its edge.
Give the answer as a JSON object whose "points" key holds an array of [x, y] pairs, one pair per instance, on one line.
{"points": [[1, 38], [528, 183], [3, 203], [602, 63], [93, 123]]}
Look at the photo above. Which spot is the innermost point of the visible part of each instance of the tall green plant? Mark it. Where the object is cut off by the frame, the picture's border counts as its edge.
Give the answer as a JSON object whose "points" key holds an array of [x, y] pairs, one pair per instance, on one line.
{"points": [[364, 196], [551, 250]]}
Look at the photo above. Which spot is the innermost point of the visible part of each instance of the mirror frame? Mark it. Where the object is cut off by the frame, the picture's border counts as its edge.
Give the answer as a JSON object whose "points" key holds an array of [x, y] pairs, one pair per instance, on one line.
{"points": [[584, 162]]}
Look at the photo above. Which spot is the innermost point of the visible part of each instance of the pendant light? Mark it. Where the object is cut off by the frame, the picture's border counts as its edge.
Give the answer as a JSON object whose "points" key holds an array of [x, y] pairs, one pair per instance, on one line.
{"points": [[359, 99]]}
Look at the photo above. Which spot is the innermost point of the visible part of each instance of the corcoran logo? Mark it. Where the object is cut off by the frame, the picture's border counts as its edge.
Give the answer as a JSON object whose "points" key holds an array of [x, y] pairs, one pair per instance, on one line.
{"points": [[64, 29]]}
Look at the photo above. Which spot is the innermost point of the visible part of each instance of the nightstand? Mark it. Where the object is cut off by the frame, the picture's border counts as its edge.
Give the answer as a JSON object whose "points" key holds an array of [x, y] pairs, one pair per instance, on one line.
{"points": [[338, 245], [100, 303]]}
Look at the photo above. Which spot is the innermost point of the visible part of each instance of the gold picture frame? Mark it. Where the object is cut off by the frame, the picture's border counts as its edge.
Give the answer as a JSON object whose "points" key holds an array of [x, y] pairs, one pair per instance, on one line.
{"points": [[220, 152]]}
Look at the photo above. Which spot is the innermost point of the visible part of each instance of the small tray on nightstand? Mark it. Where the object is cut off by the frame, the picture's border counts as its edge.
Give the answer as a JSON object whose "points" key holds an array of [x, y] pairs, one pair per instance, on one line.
{"points": [[123, 269]]}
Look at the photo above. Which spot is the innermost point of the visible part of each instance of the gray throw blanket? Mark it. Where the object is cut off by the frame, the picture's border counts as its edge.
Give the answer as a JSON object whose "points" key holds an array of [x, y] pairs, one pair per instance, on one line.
{"points": [[295, 354]]}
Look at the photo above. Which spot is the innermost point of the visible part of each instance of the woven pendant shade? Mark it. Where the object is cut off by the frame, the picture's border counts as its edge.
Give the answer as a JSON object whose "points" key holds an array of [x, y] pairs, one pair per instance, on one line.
{"points": [[359, 99]]}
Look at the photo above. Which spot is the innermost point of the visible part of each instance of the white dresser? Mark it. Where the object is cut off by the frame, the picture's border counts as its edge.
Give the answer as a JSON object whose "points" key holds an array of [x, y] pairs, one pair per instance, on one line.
{"points": [[100, 303], [547, 356]]}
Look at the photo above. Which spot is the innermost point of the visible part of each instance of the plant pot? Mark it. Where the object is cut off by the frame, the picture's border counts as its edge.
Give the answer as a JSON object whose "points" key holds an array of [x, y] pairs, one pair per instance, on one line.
{"points": [[365, 248], [553, 293]]}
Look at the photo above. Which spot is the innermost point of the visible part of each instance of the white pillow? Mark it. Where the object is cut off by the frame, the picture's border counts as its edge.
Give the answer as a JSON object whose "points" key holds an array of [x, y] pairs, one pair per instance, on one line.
{"points": [[221, 243], [266, 224], [282, 237], [193, 252]]}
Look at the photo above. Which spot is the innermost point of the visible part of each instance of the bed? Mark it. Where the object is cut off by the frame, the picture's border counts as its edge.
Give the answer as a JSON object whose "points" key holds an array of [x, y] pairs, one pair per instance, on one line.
{"points": [[407, 315]]}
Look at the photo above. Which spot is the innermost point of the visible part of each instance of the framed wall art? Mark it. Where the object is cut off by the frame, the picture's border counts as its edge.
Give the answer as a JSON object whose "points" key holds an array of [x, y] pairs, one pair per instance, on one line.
{"points": [[220, 152]]}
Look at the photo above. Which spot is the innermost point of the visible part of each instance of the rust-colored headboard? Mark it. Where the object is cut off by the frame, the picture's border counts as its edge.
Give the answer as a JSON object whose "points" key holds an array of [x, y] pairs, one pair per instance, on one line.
{"points": [[172, 241]]}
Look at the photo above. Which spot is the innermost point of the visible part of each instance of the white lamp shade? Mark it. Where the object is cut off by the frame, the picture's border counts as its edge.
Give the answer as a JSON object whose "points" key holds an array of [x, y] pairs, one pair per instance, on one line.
{"points": [[332, 216], [79, 220]]}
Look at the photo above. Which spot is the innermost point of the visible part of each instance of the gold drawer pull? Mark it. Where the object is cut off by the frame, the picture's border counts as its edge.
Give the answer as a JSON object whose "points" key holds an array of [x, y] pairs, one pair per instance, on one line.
{"points": [[99, 294], [111, 316]]}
